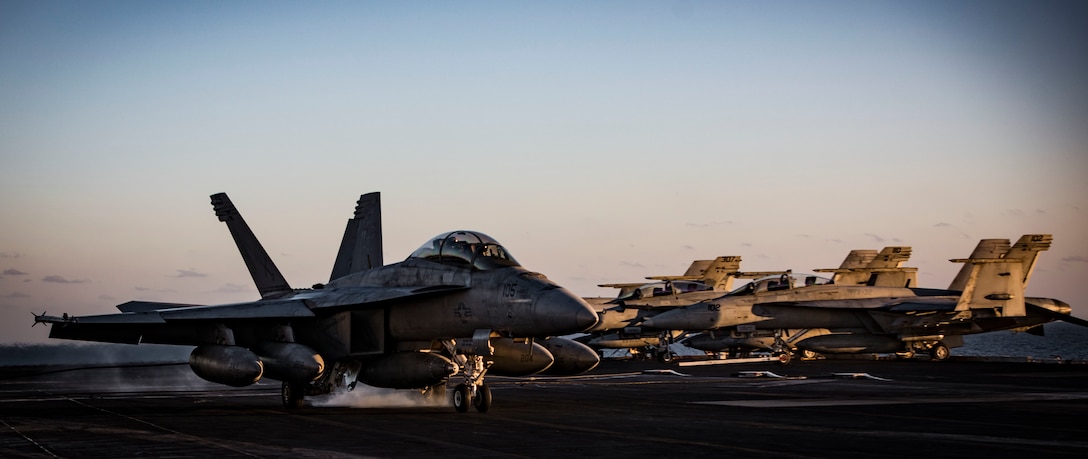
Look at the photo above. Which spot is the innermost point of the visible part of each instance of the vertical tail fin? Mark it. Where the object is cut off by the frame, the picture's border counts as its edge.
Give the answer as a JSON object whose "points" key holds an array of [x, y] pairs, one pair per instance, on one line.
{"points": [[361, 248], [859, 258], [993, 283], [717, 273], [721, 272], [1027, 250], [891, 257], [986, 248], [269, 281], [867, 267]]}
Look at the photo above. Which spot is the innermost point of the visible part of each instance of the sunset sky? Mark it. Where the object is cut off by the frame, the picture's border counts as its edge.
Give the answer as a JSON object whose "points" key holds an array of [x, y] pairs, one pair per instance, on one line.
{"points": [[599, 141]]}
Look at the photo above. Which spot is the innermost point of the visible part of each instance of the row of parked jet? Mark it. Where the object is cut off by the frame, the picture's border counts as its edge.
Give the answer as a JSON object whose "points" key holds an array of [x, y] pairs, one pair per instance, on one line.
{"points": [[869, 304]]}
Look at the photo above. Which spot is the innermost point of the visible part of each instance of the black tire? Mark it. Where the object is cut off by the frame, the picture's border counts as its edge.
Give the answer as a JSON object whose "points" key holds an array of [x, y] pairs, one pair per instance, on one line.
{"points": [[784, 358], [462, 398], [482, 400], [291, 394], [809, 354], [939, 352], [666, 357]]}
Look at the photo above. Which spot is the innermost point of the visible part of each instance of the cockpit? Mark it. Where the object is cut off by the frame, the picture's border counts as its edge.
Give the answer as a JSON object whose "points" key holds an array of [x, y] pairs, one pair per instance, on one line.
{"points": [[783, 281], [664, 288], [466, 248]]}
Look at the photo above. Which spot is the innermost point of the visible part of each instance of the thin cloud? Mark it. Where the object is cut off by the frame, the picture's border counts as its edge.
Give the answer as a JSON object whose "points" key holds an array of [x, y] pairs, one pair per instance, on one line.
{"points": [[13, 272], [188, 273], [61, 280], [632, 264], [9, 254], [943, 225], [874, 237], [710, 224], [233, 288], [1076, 259], [16, 295]]}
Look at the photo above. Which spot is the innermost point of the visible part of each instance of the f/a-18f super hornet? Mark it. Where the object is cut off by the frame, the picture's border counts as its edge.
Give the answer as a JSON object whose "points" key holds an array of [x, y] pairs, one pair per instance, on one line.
{"points": [[987, 295], [460, 303]]}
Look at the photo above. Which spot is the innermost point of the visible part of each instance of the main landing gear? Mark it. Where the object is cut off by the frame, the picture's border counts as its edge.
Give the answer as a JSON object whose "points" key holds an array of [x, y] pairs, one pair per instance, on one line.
{"points": [[469, 394], [474, 391]]}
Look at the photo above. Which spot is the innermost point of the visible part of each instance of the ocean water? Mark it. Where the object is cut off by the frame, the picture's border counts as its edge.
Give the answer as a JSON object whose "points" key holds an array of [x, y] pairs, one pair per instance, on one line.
{"points": [[1061, 340]]}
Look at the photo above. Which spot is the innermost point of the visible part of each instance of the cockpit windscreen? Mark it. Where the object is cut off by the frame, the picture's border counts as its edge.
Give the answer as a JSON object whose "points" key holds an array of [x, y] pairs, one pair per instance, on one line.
{"points": [[783, 281], [466, 248]]}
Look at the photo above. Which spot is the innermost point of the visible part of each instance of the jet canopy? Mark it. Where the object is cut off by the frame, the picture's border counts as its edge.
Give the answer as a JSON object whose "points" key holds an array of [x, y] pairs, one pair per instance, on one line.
{"points": [[466, 248], [779, 282], [664, 288]]}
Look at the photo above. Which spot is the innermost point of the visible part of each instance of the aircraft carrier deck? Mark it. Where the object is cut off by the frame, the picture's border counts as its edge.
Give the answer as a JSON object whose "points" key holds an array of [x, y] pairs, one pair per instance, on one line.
{"points": [[823, 408]]}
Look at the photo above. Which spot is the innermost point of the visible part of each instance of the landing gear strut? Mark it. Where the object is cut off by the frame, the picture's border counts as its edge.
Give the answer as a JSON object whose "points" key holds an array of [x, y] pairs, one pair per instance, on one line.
{"points": [[292, 393], [474, 391]]}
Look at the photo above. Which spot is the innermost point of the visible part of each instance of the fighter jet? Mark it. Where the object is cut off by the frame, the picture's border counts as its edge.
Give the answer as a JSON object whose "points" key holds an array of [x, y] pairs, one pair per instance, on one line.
{"points": [[460, 304], [860, 267], [987, 295], [620, 321], [623, 319]]}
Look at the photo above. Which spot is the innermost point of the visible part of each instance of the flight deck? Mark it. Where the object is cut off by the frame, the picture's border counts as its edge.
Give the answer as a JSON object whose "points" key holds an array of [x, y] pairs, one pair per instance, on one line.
{"points": [[822, 408]]}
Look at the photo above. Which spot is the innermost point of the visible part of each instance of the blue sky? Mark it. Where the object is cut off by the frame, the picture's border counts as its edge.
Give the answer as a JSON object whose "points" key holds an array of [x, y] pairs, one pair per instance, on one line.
{"points": [[599, 141]]}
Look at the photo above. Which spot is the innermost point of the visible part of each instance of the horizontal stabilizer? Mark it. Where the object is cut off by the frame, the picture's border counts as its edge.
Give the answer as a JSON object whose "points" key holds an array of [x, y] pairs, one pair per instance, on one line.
{"points": [[1054, 315]]}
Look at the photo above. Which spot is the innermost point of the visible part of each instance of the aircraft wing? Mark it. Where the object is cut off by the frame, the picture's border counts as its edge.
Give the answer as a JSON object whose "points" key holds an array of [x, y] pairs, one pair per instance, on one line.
{"points": [[172, 323]]}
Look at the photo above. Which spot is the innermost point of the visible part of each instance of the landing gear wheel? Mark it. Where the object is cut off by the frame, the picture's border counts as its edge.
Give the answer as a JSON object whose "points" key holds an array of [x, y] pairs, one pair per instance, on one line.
{"points": [[666, 357], [291, 395], [462, 398], [939, 352], [809, 354], [784, 358], [482, 400]]}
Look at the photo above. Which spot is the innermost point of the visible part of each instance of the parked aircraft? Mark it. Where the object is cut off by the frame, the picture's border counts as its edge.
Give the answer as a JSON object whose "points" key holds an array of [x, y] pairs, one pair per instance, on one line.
{"points": [[987, 295], [860, 267], [460, 303], [620, 321]]}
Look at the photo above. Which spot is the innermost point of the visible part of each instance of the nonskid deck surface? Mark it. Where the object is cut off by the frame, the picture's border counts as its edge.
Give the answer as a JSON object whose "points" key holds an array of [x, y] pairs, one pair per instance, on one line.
{"points": [[824, 408]]}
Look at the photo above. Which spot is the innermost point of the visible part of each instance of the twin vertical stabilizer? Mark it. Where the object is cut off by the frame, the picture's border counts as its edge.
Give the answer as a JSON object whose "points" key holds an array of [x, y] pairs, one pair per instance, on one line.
{"points": [[996, 274], [361, 248], [270, 283]]}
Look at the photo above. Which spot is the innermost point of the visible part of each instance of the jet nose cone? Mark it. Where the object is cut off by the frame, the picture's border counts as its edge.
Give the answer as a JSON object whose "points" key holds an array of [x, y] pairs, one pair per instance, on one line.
{"points": [[562, 313]]}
